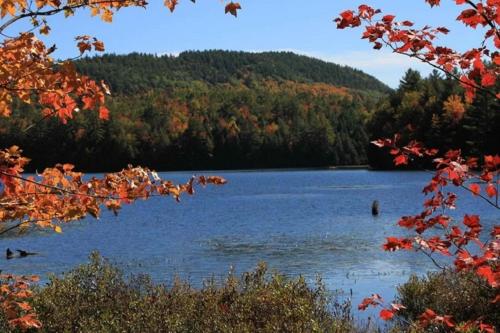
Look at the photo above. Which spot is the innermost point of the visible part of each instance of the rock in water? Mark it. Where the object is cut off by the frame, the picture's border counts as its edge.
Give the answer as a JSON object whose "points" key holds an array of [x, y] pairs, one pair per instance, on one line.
{"points": [[23, 253], [375, 209]]}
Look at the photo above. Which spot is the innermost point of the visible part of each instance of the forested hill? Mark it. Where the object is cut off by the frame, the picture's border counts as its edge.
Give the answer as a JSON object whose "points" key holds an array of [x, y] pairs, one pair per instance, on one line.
{"points": [[127, 74], [226, 110], [209, 110]]}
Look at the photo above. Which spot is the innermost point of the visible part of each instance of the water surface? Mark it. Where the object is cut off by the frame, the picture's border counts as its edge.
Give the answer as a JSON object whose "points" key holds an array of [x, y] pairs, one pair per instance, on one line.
{"points": [[306, 222]]}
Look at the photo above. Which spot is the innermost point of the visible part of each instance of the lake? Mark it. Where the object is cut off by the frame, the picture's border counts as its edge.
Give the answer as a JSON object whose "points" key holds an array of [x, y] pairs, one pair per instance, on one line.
{"points": [[305, 222]]}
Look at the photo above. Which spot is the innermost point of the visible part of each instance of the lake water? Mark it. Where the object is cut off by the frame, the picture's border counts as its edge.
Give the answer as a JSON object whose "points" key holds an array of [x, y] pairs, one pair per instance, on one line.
{"points": [[305, 222]]}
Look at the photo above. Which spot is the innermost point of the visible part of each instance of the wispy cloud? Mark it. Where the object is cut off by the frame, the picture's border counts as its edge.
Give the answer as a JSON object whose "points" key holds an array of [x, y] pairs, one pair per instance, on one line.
{"points": [[374, 60]]}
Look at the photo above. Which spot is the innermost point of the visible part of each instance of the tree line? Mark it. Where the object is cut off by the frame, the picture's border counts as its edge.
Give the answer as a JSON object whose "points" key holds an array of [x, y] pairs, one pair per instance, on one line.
{"points": [[433, 111], [225, 110], [205, 126]]}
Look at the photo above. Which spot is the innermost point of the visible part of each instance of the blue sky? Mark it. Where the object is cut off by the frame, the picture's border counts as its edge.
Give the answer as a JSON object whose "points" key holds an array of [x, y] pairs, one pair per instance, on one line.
{"points": [[304, 27]]}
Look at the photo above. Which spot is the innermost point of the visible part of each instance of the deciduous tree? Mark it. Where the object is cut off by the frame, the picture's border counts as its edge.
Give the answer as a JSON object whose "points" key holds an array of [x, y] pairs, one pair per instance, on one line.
{"points": [[30, 74], [434, 232]]}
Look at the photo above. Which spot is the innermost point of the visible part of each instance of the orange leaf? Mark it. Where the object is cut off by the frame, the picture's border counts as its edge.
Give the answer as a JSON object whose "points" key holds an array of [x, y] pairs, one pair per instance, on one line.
{"points": [[103, 113], [401, 160], [488, 80], [24, 306], [486, 328], [496, 60], [26, 322], [45, 30], [374, 300], [107, 16], [491, 190], [394, 244], [386, 314], [475, 189], [98, 46], [84, 46], [171, 4], [233, 8], [487, 273]]}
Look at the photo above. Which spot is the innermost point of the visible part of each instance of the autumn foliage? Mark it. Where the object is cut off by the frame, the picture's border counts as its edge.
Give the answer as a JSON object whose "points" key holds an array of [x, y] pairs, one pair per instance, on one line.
{"points": [[29, 74], [469, 68], [434, 233], [14, 291], [61, 194]]}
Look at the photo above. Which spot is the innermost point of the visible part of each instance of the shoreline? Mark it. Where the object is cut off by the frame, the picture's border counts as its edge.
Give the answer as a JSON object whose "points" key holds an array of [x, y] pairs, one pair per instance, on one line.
{"points": [[350, 167]]}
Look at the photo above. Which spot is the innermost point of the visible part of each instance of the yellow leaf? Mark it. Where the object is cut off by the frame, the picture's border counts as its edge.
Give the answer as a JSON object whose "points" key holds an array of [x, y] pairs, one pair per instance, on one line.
{"points": [[94, 11], [58, 229], [11, 9], [45, 30], [107, 16], [68, 12]]}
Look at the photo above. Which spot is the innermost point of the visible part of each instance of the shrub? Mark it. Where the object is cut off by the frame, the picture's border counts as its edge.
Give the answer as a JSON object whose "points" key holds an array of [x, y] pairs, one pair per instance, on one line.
{"points": [[96, 297], [464, 296]]}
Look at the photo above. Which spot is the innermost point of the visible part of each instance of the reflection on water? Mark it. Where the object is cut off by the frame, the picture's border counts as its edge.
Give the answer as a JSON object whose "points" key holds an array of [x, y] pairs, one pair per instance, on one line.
{"points": [[285, 246], [299, 222], [361, 187]]}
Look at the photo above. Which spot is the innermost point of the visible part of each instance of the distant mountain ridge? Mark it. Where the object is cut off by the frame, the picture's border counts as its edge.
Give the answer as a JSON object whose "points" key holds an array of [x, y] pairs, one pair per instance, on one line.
{"points": [[238, 110], [138, 72], [210, 110]]}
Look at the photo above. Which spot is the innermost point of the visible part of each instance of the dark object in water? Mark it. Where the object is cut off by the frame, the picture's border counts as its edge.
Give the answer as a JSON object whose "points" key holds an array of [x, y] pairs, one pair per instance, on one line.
{"points": [[23, 253], [9, 254], [375, 209]]}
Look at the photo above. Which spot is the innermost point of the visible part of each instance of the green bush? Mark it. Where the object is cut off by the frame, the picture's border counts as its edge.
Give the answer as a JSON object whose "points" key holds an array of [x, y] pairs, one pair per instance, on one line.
{"points": [[461, 295], [96, 297]]}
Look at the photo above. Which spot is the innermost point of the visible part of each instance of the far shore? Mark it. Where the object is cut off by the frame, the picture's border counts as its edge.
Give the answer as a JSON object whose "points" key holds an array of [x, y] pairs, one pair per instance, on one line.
{"points": [[276, 169], [343, 167]]}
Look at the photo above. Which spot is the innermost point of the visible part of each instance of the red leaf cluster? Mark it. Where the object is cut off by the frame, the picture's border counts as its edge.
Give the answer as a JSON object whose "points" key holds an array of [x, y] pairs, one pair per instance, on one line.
{"points": [[14, 294], [468, 67], [430, 317], [62, 194], [477, 70]]}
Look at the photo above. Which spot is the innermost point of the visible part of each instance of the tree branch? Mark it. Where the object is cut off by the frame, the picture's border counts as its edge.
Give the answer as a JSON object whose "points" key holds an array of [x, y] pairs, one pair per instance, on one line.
{"points": [[428, 62], [54, 11], [486, 18], [4, 231]]}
